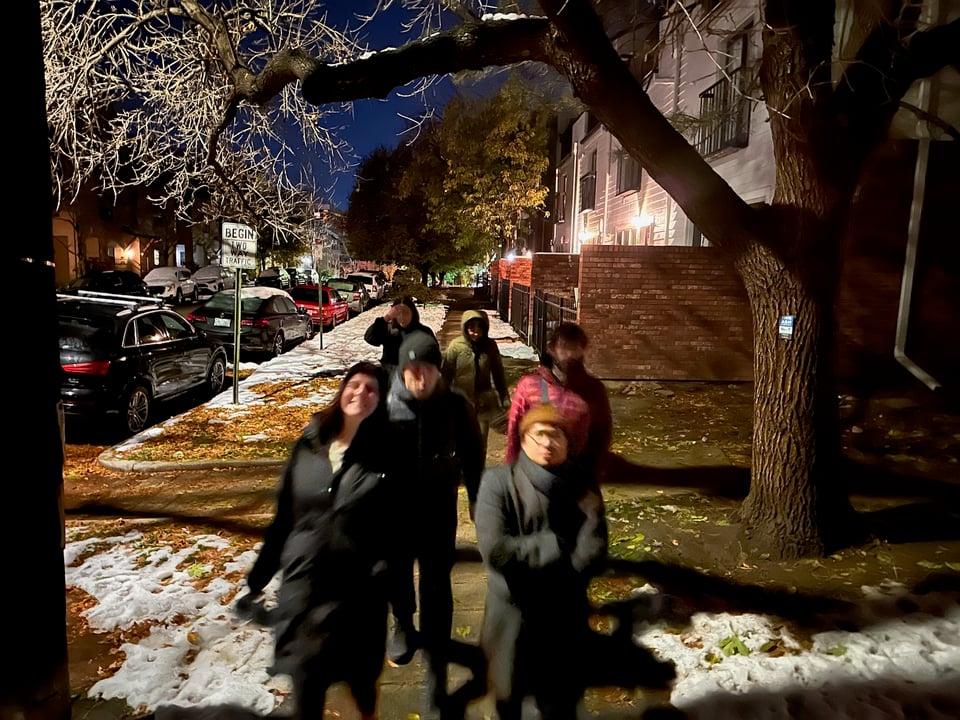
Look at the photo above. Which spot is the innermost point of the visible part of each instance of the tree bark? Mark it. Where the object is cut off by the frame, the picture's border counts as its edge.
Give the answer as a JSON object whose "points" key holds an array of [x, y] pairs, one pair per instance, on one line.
{"points": [[797, 505]]}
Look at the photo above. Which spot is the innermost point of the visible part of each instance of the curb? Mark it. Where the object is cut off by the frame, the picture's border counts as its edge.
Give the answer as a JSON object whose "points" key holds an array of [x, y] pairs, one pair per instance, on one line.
{"points": [[108, 459]]}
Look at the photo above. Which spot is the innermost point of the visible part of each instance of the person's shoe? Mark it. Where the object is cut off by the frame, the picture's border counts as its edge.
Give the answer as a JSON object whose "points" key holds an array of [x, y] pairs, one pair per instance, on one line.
{"points": [[403, 644]]}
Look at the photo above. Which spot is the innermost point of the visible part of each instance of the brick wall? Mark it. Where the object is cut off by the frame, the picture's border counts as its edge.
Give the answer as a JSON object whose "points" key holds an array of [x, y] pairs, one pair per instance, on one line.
{"points": [[556, 273], [676, 313]]}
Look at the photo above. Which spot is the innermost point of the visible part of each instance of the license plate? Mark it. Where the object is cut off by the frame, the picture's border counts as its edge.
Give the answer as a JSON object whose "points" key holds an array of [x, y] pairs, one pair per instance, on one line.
{"points": [[221, 322]]}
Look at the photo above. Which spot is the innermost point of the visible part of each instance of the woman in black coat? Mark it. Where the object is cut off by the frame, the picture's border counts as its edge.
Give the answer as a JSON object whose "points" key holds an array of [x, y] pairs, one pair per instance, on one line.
{"points": [[542, 532], [330, 539]]}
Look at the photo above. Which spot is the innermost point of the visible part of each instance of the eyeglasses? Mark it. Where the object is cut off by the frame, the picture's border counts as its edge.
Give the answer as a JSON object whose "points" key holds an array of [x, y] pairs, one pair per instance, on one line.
{"points": [[546, 438]]}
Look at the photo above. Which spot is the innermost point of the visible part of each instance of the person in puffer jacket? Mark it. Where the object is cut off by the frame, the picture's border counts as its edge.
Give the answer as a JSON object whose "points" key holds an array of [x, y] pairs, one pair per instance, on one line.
{"points": [[472, 366]]}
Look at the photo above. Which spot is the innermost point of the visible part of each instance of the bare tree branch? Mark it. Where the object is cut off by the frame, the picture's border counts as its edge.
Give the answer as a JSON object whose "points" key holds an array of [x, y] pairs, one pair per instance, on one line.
{"points": [[473, 47]]}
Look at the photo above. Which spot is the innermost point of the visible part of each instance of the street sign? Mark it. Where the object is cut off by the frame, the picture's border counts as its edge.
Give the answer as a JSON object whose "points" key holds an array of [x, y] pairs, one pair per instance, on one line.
{"points": [[239, 246]]}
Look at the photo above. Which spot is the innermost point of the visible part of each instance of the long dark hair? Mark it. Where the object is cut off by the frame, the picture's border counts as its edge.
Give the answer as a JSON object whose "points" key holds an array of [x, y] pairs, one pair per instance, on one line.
{"points": [[412, 304], [329, 420]]}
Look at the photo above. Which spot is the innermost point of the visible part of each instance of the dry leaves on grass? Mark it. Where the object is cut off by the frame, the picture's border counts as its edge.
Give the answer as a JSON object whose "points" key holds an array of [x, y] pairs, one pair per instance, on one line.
{"points": [[256, 430]]}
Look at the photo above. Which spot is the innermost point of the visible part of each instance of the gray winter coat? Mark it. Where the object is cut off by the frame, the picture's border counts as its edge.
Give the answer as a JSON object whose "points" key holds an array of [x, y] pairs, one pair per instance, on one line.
{"points": [[542, 534]]}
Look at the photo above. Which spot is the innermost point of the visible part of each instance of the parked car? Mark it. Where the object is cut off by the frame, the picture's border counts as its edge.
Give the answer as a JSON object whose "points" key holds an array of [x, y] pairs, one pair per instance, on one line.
{"points": [[335, 309], [302, 276], [116, 282], [172, 284], [275, 277], [375, 281], [354, 291], [120, 357], [213, 278], [270, 322]]}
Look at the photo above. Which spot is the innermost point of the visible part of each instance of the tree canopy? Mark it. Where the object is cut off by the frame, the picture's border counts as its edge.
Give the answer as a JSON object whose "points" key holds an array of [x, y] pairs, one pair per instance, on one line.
{"points": [[487, 172]]}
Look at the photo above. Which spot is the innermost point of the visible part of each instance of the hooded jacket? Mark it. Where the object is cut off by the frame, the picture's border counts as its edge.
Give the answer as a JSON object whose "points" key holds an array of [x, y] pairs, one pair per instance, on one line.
{"points": [[389, 336], [474, 368]]}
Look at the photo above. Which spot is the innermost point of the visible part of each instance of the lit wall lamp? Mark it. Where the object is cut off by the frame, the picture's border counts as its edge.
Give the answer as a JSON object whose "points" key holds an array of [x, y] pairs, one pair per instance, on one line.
{"points": [[642, 220], [128, 254], [585, 236], [510, 256]]}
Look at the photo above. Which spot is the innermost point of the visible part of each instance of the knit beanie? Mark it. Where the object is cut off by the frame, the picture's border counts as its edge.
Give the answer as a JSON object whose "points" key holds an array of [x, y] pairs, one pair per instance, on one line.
{"points": [[546, 414], [419, 346]]}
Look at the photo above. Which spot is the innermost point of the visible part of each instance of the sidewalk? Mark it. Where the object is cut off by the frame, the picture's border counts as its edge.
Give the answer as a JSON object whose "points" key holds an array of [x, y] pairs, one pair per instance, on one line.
{"points": [[685, 451], [401, 688]]}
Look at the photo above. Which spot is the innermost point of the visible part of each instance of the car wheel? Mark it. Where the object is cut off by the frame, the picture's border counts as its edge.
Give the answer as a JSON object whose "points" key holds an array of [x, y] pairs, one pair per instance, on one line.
{"points": [[277, 344], [311, 331], [333, 322], [217, 376], [179, 300], [137, 409]]}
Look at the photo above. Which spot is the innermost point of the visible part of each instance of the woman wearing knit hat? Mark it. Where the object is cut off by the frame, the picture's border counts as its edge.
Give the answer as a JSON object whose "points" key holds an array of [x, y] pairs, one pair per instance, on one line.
{"points": [[542, 533]]}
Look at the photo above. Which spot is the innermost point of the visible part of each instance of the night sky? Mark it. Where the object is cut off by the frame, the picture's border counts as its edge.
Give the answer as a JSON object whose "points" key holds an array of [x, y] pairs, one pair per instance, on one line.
{"points": [[378, 122]]}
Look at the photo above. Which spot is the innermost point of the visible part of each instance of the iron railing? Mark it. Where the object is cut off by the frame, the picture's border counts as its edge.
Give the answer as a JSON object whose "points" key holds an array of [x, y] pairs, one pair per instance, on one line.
{"points": [[549, 310], [503, 298], [725, 113], [520, 310]]}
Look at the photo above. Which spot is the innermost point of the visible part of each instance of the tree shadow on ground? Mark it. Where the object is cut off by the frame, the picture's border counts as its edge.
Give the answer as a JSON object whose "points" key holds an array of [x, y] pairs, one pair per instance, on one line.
{"points": [[919, 508], [680, 592], [226, 521]]}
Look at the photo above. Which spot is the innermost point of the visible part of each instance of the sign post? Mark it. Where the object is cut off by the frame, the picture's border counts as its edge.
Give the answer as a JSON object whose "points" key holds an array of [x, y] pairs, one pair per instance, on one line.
{"points": [[238, 250]]}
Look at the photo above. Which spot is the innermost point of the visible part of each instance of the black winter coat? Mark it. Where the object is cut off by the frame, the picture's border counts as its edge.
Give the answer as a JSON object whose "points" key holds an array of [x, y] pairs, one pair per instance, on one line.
{"points": [[437, 446], [331, 538], [380, 333]]}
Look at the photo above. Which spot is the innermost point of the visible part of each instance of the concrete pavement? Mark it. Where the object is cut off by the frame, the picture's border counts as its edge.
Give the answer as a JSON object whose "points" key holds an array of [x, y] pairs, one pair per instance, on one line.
{"points": [[402, 688]]}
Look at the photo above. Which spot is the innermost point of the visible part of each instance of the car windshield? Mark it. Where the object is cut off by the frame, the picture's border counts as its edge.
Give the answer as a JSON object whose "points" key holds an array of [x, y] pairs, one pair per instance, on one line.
{"points": [[81, 282], [341, 285], [161, 273]]}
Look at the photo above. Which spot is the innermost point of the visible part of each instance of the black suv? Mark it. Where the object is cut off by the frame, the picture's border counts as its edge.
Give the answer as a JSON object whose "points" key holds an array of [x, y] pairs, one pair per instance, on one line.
{"points": [[120, 282], [120, 355]]}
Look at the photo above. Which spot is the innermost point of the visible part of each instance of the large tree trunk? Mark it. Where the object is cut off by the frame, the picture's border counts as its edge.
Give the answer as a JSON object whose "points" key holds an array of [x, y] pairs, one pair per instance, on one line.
{"points": [[798, 505], [787, 255], [35, 681]]}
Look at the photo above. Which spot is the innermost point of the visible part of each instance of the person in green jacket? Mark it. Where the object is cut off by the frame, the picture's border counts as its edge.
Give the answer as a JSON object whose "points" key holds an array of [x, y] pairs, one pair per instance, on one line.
{"points": [[473, 367]]}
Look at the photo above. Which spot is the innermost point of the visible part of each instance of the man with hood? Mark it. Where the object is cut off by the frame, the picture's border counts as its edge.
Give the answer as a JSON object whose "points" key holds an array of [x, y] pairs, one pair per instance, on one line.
{"points": [[436, 447], [563, 380], [400, 320], [472, 365]]}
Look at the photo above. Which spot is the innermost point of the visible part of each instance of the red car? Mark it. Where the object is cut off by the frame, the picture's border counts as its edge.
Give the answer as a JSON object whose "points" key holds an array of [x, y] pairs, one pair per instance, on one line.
{"points": [[335, 309]]}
